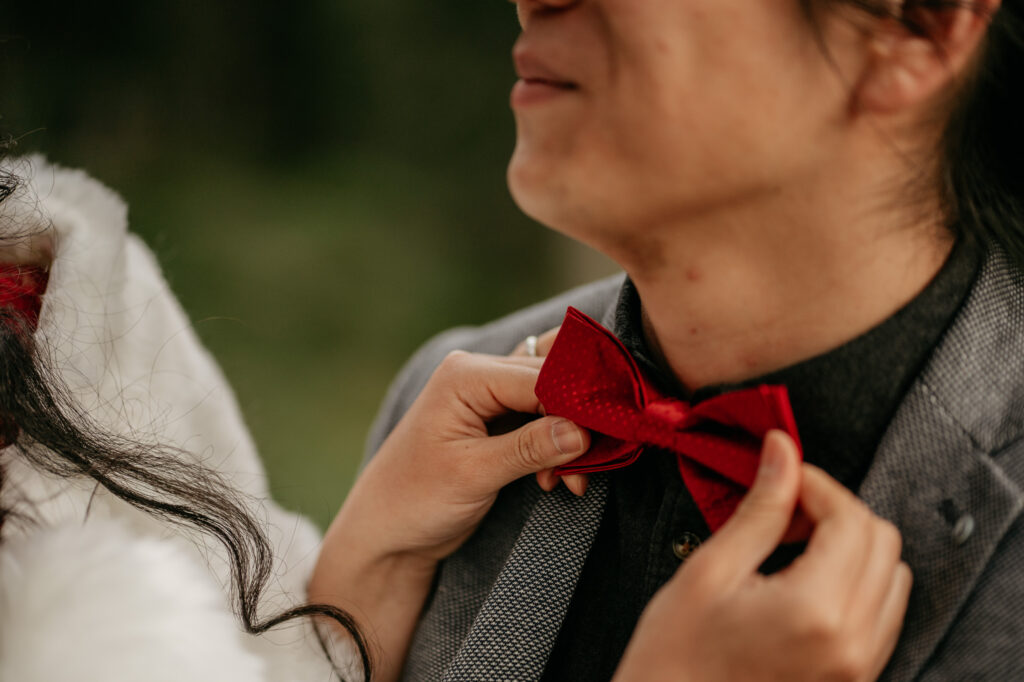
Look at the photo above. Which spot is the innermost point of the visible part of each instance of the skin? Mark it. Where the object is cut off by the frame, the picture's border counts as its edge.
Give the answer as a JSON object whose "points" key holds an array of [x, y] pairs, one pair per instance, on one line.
{"points": [[834, 614], [746, 187], [427, 489], [750, 187], [406, 513]]}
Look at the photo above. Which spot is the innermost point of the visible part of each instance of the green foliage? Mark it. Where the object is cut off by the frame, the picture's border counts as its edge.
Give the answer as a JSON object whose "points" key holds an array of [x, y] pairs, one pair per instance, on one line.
{"points": [[324, 186]]}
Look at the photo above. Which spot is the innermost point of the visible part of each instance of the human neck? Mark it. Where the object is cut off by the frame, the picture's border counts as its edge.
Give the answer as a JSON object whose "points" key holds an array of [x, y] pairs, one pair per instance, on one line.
{"points": [[736, 296]]}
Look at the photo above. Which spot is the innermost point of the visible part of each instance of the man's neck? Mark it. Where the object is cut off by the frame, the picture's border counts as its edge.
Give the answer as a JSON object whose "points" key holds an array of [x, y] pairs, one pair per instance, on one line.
{"points": [[729, 298]]}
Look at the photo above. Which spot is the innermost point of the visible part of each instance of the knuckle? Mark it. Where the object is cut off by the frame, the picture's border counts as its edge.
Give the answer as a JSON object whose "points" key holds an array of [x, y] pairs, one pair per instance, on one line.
{"points": [[857, 526], [858, 514], [844, 652], [820, 621], [906, 574], [454, 364], [455, 359], [891, 537], [847, 652], [850, 661], [528, 450]]}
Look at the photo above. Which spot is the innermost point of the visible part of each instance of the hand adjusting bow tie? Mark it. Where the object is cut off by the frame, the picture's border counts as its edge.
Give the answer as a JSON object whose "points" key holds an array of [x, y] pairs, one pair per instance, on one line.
{"points": [[590, 378]]}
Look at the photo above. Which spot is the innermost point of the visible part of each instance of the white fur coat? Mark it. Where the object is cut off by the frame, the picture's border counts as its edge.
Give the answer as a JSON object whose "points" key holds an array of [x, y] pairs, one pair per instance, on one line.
{"points": [[95, 590]]}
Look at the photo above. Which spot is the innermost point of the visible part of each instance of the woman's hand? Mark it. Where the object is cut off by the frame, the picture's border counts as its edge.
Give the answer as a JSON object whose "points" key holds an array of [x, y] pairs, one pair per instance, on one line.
{"points": [[834, 614], [547, 479], [427, 489], [439, 472]]}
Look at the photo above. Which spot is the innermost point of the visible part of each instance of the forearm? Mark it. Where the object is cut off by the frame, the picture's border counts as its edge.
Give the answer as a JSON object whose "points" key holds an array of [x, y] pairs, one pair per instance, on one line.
{"points": [[384, 591]]}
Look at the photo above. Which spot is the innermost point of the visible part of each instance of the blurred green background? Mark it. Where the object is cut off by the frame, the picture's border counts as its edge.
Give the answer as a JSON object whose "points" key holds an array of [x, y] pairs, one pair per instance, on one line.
{"points": [[323, 183]]}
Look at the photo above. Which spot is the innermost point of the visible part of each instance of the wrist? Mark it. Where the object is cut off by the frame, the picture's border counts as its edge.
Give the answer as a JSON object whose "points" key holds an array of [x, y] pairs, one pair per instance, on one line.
{"points": [[364, 538], [384, 590], [360, 565]]}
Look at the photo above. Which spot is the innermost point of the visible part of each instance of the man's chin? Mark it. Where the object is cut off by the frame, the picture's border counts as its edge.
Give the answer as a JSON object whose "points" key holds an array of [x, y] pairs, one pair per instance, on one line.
{"points": [[548, 192], [538, 204], [538, 188]]}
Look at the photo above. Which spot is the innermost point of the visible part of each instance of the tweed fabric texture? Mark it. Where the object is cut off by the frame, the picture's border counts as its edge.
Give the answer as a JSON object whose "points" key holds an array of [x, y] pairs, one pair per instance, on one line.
{"points": [[952, 459], [951, 455], [465, 579], [985, 640], [516, 628], [464, 582]]}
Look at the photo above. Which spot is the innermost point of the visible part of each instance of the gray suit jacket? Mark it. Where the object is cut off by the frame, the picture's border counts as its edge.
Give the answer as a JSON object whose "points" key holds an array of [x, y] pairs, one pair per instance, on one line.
{"points": [[949, 473]]}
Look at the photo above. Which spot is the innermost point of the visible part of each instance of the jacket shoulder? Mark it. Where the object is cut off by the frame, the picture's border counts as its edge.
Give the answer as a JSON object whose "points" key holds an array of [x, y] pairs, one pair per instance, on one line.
{"points": [[496, 338]]}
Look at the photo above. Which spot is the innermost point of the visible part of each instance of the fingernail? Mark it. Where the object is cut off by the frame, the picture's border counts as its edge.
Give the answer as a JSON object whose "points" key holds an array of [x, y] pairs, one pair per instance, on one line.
{"points": [[772, 457], [581, 487], [567, 437]]}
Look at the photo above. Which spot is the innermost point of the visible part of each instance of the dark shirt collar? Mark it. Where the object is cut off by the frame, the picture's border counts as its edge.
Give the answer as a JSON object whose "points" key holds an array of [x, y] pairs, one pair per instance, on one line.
{"points": [[844, 399]]}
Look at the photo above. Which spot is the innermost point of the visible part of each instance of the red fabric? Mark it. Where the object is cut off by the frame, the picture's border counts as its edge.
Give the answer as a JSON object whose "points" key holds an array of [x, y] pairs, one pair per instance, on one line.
{"points": [[590, 378], [21, 291]]}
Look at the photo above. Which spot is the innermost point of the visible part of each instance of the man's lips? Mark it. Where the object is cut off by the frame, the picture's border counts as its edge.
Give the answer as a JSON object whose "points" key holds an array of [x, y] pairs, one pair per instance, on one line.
{"points": [[529, 92], [549, 83], [532, 69], [538, 82]]}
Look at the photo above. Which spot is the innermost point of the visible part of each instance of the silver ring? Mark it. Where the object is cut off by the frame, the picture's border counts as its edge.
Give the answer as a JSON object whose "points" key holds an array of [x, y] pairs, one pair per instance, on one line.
{"points": [[531, 346]]}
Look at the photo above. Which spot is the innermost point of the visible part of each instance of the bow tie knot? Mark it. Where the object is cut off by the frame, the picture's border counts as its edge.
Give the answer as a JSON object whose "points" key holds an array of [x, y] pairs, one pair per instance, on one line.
{"points": [[590, 378], [667, 413]]}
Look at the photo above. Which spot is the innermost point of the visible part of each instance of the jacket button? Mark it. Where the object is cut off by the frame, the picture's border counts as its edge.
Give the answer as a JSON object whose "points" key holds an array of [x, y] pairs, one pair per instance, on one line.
{"points": [[684, 545], [963, 529]]}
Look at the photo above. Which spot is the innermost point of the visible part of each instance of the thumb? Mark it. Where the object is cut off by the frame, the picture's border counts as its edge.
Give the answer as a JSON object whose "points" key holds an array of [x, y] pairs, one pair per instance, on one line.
{"points": [[760, 521], [542, 444]]}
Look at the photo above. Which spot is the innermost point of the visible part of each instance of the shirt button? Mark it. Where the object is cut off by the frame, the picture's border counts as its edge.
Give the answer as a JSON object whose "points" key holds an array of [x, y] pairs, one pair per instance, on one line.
{"points": [[684, 545], [963, 529]]}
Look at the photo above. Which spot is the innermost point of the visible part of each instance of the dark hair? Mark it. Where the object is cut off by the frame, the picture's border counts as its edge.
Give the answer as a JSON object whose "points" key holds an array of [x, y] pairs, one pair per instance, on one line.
{"points": [[983, 144], [38, 415], [8, 182]]}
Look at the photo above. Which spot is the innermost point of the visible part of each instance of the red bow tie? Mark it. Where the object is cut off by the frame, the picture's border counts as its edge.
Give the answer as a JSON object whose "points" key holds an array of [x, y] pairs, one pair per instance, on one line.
{"points": [[590, 378]]}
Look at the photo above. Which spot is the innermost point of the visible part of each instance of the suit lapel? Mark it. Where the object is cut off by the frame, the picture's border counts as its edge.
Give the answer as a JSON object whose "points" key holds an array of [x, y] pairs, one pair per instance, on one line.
{"points": [[937, 474], [514, 632]]}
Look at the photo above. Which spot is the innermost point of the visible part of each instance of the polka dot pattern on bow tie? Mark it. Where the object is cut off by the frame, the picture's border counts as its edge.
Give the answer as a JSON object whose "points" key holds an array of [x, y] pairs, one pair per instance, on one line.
{"points": [[590, 378]]}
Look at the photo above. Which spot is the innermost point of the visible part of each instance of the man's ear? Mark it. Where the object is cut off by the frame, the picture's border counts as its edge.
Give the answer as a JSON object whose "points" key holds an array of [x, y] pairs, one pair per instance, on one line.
{"points": [[908, 66]]}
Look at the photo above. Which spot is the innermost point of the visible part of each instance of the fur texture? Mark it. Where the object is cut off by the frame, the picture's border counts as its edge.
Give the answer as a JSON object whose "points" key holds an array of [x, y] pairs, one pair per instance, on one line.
{"points": [[98, 603], [123, 346]]}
